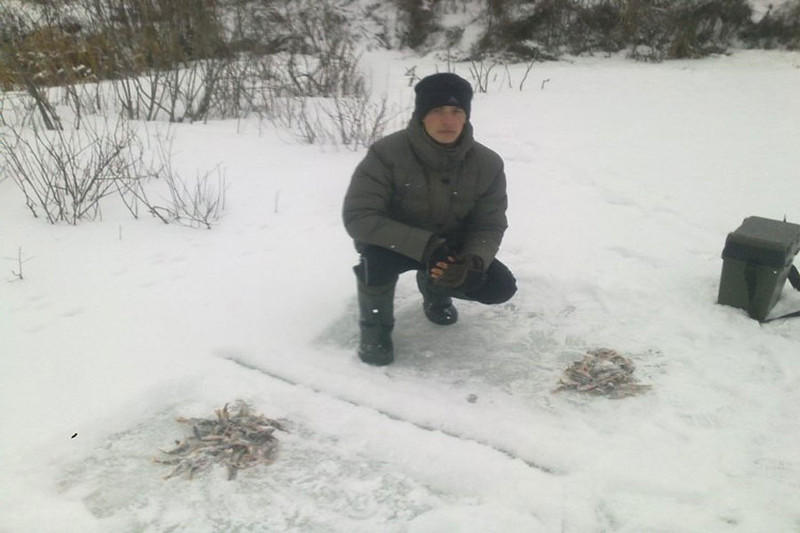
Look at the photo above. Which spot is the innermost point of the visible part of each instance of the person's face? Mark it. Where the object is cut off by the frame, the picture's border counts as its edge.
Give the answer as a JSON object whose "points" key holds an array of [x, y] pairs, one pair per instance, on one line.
{"points": [[445, 123]]}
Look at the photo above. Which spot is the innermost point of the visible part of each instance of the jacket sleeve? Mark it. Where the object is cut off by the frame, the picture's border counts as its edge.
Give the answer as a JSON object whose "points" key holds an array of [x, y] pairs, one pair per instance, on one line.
{"points": [[487, 222], [367, 206]]}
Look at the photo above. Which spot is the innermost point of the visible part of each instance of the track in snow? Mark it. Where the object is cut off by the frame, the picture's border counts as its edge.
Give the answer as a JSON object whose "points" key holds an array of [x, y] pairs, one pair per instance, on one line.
{"points": [[393, 416]]}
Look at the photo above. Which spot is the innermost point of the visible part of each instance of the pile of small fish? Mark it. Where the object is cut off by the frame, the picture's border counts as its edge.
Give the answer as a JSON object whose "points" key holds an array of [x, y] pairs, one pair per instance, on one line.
{"points": [[602, 372], [237, 438]]}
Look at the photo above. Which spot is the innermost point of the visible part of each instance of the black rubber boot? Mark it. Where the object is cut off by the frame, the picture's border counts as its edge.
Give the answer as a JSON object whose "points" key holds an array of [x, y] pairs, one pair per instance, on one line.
{"points": [[438, 308], [376, 307]]}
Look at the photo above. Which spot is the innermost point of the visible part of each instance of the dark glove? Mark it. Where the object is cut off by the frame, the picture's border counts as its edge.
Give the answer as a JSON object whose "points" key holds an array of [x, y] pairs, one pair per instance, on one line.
{"points": [[436, 251], [464, 273]]}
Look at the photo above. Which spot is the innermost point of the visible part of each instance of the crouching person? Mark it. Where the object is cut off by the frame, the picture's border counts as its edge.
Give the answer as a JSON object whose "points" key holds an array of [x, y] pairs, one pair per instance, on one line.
{"points": [[432, 199]]}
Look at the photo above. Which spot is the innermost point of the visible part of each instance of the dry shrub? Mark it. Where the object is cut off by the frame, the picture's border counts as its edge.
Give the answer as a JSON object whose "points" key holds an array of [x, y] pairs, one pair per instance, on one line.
{"points": [[779, 28], [650, 29]]}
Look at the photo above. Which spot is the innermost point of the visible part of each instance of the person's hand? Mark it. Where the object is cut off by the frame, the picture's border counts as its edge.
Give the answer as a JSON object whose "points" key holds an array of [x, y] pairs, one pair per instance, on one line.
{"points": [[437, 252], [463, 272], [439, 268]]}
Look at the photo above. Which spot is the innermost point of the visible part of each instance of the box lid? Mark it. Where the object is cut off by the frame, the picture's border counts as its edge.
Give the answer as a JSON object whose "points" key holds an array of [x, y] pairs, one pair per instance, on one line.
{"points": [[763, 241]]}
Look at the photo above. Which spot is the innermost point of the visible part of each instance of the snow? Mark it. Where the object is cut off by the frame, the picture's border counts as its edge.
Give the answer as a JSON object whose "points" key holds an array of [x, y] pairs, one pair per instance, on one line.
{"points": [[624, 180]]}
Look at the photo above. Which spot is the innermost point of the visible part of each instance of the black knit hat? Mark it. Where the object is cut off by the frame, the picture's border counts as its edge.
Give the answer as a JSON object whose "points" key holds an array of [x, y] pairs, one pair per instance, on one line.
{"points": [[442, 89]]}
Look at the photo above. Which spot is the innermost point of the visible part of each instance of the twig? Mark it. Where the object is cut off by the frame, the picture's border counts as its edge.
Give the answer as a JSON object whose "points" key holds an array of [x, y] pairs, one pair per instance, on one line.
{"points": [[20, 261], [525, 77]]}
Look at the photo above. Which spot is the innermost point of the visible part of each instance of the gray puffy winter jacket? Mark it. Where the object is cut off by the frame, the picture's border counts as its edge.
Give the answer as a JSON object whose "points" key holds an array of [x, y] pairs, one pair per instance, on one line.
{"points": [[409, 188]]}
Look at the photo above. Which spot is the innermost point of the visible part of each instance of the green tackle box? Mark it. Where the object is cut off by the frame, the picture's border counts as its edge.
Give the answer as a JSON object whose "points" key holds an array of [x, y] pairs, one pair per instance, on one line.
{"points": [[755, 263]]}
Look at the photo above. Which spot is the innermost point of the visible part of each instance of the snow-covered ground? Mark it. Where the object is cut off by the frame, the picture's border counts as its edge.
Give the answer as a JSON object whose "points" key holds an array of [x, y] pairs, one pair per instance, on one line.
{"points": [[624, 180]]}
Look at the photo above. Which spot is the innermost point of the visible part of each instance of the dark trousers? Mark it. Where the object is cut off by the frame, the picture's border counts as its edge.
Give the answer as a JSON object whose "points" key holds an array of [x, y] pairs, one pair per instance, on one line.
{"points": [[380, 266]]}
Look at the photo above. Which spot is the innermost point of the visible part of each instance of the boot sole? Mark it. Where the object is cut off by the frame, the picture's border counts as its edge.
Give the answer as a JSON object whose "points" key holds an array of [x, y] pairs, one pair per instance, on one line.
{"points": [[382, 360]]}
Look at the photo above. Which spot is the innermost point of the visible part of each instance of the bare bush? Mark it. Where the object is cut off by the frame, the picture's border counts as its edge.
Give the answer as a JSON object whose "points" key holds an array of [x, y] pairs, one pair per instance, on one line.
{"points": [[480, 72], [307, 118], [2, 112], [64, 174], [313, 85], [181, 63], [133, 41], [359, 121], [176, 95], [778, 28], [197, 204], [322, 59], [649, 29], [35, 53], [417, 21], [352, 121]]}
